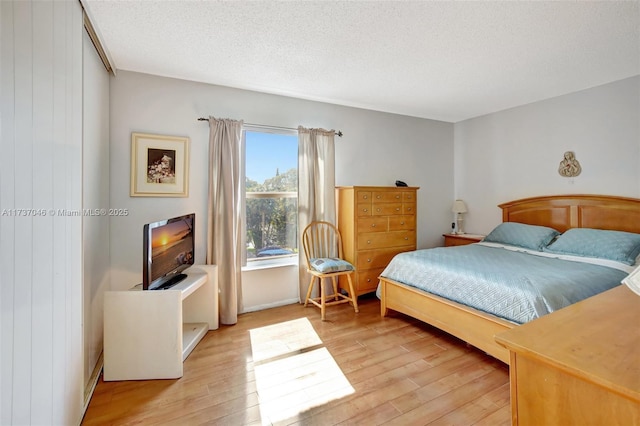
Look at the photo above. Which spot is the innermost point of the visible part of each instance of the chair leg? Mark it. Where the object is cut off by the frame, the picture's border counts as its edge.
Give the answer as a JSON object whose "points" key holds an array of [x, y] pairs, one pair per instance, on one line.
{"points": [[335, 287], [323, 300], [309, 290], [352, 293]]}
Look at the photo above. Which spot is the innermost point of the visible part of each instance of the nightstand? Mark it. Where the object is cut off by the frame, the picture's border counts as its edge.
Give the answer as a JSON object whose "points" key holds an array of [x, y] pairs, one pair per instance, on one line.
{"points": [[461, 239]]}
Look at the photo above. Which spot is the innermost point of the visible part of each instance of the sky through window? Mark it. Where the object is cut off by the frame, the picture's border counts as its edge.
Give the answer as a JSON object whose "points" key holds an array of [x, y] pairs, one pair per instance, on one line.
{"points": [[266, 152]]}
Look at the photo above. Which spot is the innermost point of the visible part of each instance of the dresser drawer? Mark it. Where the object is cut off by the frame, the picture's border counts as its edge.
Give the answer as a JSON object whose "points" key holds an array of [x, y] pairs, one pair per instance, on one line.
{"points": [[409, 196], [386, 209], [363, 196], [399, 223], [374, 240], [387, 197], [409, 208], [368, 259], [373, 224], [367, 281], [363, 209]]}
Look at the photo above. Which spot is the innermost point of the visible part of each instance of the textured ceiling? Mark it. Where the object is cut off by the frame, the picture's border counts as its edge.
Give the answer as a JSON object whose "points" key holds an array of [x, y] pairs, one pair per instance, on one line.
{"points": [[441, 60]]}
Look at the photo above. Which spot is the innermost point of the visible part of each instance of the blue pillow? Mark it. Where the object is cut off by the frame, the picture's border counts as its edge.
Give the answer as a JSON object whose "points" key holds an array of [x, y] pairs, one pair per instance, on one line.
{"points": [[613, 245], [330, 264], [532, 237]]}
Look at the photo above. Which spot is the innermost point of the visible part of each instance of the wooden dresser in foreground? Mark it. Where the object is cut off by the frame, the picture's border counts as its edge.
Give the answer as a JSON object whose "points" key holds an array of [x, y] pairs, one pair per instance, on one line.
{"points": [[376, 223], [579, 365]]}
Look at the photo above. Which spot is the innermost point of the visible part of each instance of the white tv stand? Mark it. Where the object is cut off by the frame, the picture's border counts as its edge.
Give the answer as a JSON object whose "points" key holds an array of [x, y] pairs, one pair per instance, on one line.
{"points": [[148, 334]]}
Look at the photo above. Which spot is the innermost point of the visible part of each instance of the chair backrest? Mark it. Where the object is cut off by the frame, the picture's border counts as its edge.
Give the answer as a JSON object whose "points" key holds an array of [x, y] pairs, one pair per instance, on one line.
{"points": [[321, 239]]}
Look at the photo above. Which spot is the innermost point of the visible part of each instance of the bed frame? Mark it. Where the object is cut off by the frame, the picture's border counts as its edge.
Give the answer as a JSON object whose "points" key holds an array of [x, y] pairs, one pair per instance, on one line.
{"points": [[478, 328]]}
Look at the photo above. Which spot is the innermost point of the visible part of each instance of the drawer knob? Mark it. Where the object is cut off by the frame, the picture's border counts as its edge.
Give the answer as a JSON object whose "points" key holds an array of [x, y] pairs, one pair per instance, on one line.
{"points": [[368, 241], [406, 238], [397, 196], [401, 223], [378, 209], [398, 209], [368, 260], [378, 197], [365, 210], [364, 197], [368, 280], [409, 209], [373, 225]]}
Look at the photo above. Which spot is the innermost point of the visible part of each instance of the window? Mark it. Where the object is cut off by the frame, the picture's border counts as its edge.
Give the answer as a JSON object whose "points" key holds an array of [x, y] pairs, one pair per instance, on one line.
{"points": [[271, 191]]}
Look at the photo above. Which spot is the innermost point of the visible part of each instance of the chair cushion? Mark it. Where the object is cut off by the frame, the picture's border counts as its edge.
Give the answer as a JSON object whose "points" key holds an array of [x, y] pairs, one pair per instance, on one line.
{"points": [[330, 264]]}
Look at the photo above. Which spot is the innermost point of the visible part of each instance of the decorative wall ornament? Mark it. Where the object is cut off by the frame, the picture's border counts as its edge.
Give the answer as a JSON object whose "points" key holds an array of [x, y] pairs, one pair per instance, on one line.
{"points": [[159, 166], [569, 166]]}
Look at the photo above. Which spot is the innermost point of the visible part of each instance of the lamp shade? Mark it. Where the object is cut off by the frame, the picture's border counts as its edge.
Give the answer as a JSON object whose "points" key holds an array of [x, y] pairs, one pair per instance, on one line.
{"points": [[459, 207]]}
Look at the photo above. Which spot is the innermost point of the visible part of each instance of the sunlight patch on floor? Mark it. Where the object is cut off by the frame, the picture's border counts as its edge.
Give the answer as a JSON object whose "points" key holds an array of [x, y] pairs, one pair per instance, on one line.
{"points": [[294, 373], [282, 339]]}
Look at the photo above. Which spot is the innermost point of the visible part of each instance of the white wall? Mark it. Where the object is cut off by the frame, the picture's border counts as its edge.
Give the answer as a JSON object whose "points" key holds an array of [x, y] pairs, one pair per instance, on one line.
{"points": [[41, 348], [377, 149], [515, 153], [95, 195], [269, 287]]}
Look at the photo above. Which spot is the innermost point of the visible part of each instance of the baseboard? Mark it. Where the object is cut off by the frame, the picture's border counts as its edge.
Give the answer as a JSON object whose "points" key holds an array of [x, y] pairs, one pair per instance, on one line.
{"points": [[270, 305], [93, 382]]}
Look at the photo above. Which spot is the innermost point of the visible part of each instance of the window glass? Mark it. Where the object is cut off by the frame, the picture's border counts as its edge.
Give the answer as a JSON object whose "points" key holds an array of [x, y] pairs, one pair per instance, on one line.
{"points": [[271, 188]]}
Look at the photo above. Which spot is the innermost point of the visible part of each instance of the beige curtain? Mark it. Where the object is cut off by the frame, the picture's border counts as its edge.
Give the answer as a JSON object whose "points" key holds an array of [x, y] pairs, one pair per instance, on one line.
{"points": [[316, 187], [225, 211]]}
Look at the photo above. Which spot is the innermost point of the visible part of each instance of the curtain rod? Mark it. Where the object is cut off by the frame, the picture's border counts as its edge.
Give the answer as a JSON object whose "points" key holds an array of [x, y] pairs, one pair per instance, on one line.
{"points": [[338, 133]]}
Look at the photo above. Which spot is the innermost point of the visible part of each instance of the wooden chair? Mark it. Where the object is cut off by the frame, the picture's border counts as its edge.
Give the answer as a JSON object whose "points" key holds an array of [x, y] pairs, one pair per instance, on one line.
{"points": [[323, 251]]}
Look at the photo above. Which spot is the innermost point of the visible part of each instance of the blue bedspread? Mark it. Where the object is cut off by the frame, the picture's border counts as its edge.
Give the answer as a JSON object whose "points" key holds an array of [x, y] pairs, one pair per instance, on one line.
{"points": [[516, 286]]}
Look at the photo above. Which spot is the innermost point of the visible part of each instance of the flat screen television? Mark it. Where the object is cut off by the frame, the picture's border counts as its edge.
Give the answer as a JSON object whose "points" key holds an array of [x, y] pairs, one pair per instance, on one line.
{"points": [[169, 249]]}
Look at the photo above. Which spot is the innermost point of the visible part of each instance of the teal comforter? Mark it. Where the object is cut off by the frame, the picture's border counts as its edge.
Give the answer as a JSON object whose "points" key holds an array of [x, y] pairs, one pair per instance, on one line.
{"points": [[513, 285]]}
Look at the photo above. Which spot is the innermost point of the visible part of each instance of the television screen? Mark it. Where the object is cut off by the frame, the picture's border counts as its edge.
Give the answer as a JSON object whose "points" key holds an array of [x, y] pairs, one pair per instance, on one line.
{"points": [[168, 249]]}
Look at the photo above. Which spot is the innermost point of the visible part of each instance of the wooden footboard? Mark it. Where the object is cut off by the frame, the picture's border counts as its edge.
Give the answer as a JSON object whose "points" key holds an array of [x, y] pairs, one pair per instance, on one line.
{"points": [[474, 327]]}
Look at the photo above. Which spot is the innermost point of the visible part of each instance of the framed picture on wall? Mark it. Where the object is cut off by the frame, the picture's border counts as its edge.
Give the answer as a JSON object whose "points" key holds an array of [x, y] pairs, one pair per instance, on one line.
{"points": [[159, 166]]}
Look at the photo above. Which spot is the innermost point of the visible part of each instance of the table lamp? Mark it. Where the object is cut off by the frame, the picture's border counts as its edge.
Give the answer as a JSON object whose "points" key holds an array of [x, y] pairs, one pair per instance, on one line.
{"points": [[459, 208]]}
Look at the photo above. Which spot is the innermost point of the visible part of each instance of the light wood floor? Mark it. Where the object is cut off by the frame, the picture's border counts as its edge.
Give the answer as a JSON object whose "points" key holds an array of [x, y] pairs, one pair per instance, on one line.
{"points": [[351, 369]]}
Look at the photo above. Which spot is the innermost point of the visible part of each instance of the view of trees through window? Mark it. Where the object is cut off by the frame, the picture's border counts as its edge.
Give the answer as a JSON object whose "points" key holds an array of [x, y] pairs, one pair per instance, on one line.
{"points": [[271, 189]]}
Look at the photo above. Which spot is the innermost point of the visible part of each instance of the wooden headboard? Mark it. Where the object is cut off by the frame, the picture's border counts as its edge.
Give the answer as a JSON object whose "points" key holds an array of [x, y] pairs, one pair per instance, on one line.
{"points": [[562, 212]]}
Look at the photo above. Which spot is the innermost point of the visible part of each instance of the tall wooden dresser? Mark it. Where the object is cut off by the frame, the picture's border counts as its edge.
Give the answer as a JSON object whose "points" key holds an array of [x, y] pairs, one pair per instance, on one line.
{"points": [[376, 223]]}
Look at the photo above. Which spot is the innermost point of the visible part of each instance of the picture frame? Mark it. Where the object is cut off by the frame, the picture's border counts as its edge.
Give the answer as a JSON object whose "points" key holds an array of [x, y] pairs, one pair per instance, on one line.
{"points": [[159, 165]]}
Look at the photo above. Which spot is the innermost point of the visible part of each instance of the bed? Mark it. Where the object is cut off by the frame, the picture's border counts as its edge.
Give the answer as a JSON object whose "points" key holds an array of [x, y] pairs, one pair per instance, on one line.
{"points": [[478, 327]]}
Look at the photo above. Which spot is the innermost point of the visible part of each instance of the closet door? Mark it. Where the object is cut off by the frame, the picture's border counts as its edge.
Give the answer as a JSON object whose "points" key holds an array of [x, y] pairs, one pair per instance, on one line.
{"points": [[95, 198]]}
